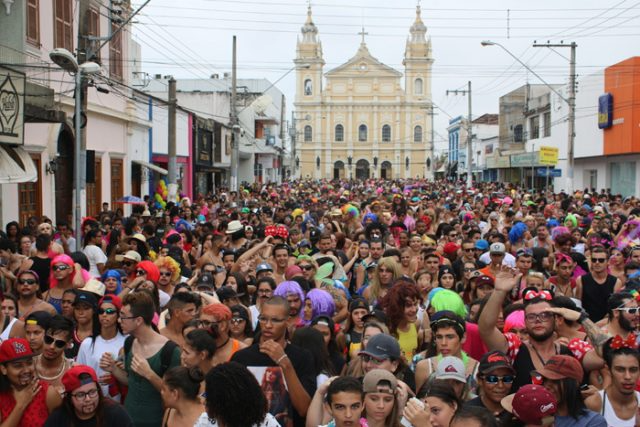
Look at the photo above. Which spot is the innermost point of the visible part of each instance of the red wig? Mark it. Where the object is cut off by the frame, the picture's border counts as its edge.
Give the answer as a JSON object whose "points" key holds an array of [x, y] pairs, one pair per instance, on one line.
{"points": [[395, 300]]}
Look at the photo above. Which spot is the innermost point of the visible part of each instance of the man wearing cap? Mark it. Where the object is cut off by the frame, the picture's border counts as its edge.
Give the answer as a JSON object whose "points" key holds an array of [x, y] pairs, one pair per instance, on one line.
{"points": [[129, 262], [497, 258], [51, 364], [452, 370], [534, 405], [25, 400], [265, 270], [84, 403], [228, 296], [495, 377], [383, 352], [35, 325]]}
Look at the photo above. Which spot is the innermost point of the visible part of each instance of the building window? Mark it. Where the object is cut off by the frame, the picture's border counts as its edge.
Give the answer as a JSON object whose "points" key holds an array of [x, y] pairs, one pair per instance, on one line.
{"points": [[115, 53], [63, 24], [33, 22], [308, 134], [386, 133], [30, 196], [308, 87], [362, 133], [117, 180], [339, 133], [94, 191], [534, 125], [93, 19], [547, 124], [417, 87], [417, 134], [518, 135]]}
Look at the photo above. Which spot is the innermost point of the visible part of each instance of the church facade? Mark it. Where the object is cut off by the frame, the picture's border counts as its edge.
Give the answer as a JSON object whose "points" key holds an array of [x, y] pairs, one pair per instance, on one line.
{"points": [[359, 120]]}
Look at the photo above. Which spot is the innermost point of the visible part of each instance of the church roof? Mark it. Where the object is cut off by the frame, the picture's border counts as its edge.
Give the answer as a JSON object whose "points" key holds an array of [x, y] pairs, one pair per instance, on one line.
{"points": [[363, 56]]}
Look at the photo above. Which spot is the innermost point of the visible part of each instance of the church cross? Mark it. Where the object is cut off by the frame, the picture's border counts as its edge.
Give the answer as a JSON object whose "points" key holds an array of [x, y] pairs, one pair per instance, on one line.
{"points": [[363, 33]]}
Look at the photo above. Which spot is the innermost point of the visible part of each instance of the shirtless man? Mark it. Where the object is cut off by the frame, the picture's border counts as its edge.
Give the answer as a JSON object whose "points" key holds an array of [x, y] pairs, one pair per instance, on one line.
{"points": [[27, 286], [182, 307]]}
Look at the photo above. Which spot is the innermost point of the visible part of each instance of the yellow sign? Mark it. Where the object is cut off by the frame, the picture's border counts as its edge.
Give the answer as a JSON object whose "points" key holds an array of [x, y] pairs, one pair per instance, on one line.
{"points": [[548, 156]]}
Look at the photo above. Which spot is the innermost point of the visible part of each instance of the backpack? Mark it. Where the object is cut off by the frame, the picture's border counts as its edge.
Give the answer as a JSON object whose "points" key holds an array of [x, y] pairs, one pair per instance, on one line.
{"points": [[166, 353]]}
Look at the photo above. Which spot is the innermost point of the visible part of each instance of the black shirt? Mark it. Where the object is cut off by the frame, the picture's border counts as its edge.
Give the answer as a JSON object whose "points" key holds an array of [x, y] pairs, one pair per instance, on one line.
{"points": [[113, 414], [504, 418], [300, 359]]}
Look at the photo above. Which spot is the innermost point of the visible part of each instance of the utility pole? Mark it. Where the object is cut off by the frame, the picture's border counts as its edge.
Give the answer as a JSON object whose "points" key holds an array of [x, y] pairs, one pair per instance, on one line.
{"points": [[572, 108], [469, 135], [173, 165], [235, 151], [83, 55], [429, 171]]}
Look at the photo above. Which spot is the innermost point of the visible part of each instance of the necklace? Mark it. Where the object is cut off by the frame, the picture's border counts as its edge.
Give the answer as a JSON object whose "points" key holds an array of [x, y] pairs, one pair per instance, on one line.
{"points": [[53, 378], [225, 343], [555, 350]]}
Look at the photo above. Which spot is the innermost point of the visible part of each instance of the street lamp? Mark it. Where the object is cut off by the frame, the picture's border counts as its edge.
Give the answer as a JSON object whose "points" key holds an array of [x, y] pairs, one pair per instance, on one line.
{"points": [[570, 102], [65, 60]]}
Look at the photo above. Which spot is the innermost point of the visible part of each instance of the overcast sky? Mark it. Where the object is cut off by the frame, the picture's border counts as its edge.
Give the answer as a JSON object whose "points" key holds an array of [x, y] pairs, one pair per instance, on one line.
{"points": [[192, 39]]}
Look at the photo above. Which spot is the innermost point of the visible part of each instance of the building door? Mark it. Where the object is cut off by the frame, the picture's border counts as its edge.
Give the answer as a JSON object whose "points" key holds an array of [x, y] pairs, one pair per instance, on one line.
{"points": [[136, 179], [30, 195], [338, 170], [94, 192], [64, 177], [362, 169], [117, 182], [385, 170]]}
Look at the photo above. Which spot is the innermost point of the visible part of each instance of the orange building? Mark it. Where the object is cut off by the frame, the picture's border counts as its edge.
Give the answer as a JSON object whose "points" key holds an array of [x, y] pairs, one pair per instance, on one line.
{"points": [[622, 81]]}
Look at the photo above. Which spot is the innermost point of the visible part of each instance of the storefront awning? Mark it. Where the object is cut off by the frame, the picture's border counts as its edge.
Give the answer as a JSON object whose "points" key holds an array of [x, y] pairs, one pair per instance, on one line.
{"points": [[151, 166], [16, 165]]}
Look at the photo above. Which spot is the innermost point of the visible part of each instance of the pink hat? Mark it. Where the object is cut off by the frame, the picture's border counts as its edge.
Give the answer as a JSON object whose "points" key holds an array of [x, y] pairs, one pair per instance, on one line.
{"points": [[292, 271]]}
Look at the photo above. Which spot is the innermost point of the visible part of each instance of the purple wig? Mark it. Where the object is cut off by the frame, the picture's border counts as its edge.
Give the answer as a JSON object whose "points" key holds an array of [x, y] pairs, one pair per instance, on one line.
{"points": [[287, 288], [322, 304]]}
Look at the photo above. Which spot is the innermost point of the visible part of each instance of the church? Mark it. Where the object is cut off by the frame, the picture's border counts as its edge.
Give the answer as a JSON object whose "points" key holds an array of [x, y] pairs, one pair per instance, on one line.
{"points": [[358, 121]]}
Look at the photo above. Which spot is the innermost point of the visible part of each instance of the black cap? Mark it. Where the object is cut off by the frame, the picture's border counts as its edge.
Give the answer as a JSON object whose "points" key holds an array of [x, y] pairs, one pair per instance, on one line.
{"points": [[40, 318], [357, 303], [240, 311], [84, 297], [225, 293], [205, 281], [494, 360]]}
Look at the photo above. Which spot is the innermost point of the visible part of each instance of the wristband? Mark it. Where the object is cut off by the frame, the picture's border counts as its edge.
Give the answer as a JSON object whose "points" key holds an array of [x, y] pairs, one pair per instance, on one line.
{"points": [[284, 356], [583, 316]]}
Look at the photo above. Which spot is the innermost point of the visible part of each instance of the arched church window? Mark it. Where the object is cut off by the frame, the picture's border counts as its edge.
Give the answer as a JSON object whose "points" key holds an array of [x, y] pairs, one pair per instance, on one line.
{"points": [[308, 87], [417, 134], [308, 133], [386, 133], [417, 87], [339, 137], [362, 133]]}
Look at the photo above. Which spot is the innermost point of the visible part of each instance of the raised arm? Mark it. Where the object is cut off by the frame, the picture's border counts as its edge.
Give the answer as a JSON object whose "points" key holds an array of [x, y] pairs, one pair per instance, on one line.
{"points": [[506, 280]]}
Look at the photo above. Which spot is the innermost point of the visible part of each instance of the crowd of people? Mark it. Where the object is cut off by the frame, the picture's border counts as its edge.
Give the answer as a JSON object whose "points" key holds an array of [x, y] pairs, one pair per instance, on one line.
{"points": [[327, 303]]}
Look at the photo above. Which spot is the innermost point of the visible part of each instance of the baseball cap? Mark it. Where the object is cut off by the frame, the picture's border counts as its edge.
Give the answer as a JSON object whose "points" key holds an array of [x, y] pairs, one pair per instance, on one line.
{"points": [[494, 360], [84, 297], [40, 318], [205, 281], [304, 243], [484, 280], [292, 271], [71, 379], [451, 248], [451, 367], [372, 380], [263, 267], [15, 349], [482, 244], [382, 346], [560, 366], [497, 248], [532, 404], [357, 303]]}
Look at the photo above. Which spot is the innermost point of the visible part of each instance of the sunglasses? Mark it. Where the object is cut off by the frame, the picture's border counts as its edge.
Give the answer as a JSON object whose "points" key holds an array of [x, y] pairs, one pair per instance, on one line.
{"points": [[60, 267], [236, 320], [128, 263], [469, 249], [48, 339], [107, 311], [165, 274], [494, 379], [27, 281], [629, 310], [306, 267], [598, 260], [140, 272]]}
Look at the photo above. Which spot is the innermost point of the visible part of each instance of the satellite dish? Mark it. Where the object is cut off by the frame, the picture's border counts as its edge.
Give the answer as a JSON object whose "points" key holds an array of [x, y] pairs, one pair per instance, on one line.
{"points": [[260, 104]]}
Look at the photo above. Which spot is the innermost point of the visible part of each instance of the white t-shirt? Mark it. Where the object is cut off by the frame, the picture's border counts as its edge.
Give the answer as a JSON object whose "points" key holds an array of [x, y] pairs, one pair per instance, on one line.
{"points": [[90, 355], [254, 316], [508, 260], [96, 256], [203, 421]]}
